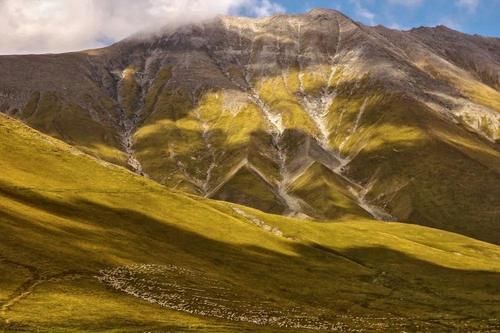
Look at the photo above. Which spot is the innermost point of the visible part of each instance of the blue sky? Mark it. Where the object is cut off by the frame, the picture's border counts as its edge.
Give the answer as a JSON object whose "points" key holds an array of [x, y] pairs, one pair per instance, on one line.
{"points": [[470, 16]]}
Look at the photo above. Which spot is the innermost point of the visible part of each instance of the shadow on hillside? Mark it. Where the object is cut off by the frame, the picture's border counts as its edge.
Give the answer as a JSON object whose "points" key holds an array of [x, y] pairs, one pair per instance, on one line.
{"points": [[84, 234], [437, 183]]}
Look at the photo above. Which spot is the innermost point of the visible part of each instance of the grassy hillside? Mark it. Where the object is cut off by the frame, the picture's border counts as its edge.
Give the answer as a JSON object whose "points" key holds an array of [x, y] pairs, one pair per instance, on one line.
{"points": [[75, 231], [404, 158], [62, 95], [419, 167], [311, 114]]}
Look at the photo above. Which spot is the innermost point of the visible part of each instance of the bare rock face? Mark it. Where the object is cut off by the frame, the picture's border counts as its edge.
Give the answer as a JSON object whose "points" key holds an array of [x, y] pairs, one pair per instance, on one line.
{"points": [[312, 115]]}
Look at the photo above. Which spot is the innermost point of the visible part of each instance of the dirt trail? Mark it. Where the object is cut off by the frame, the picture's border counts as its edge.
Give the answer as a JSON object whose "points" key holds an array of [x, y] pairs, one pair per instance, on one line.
{"points": [[36, 278]]}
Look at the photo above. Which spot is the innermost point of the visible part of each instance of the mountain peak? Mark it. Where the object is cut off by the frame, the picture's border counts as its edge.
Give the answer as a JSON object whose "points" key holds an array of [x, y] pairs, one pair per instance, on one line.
{"points": [[324, 11]]}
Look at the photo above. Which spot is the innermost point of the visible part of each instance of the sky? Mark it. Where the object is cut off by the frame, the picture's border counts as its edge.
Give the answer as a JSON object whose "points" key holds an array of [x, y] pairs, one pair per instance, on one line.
{"points": [[51, 26], [470, 16]]}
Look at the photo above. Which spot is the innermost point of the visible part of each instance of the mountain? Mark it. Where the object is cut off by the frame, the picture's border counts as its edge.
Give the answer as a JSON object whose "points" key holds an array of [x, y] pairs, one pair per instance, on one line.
{"points": [[311, 115], [246, 175], [89, 246]]}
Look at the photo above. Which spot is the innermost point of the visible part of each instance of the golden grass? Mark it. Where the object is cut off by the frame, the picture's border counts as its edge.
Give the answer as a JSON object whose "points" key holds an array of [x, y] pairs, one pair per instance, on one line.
{"points": [[62, 212]]}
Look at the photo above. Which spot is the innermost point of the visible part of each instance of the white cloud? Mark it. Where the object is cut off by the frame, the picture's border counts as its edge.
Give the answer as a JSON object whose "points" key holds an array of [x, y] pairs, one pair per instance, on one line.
{"points": [[265, 8], [469, 5], [450, 23], [363, 13], [395, 26], [38, 26]]}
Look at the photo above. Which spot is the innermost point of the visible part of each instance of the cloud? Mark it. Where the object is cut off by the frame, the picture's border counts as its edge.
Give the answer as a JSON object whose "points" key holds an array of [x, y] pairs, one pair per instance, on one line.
{"points": [[363, 13], [398, 26], [39, 26], [264, 8], [450, 23], [469, 5]]}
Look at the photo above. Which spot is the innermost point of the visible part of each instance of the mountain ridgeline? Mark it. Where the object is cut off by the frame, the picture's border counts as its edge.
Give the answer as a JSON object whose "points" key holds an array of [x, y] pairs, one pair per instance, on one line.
{"points": [[313, 116]]}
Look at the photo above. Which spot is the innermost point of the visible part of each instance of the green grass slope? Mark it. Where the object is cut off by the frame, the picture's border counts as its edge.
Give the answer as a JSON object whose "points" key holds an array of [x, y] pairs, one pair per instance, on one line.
{"points": [[419, 167], [62, 95], [88, 246], [408, 160]]}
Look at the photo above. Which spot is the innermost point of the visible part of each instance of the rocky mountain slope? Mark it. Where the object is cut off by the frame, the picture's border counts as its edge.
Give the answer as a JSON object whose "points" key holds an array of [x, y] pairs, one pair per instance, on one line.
{"points": [[314, 116], [87, 246]]}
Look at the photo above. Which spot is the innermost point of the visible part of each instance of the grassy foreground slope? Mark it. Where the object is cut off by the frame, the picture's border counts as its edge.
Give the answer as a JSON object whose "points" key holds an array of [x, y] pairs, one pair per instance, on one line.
{"points": [[75, 231]]}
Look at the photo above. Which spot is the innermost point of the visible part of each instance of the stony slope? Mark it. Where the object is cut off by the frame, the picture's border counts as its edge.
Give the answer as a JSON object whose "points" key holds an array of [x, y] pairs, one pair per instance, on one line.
{"points": [[312, 115], [88, 246]]}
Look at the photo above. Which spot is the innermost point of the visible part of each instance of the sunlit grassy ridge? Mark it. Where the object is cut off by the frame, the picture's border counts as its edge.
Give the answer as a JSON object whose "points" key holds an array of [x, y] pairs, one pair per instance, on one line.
{"points": [[326, 192], [281, 97], [65, 216], [476, 91]]}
